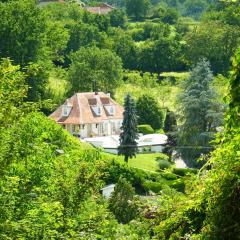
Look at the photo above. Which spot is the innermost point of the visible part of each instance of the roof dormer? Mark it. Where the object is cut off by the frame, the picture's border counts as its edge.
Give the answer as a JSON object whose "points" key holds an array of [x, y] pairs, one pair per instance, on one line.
{"points": [[66, 109], [110, 109], [97, 110]]}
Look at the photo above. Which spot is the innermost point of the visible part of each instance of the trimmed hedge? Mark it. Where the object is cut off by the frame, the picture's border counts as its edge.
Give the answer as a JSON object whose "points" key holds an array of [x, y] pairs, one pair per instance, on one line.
{"points": [[184, 171], [145, 129]]}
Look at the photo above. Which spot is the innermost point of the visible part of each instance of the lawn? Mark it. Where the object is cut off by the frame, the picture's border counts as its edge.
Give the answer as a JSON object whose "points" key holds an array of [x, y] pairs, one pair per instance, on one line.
{"points": [[145, 161]]}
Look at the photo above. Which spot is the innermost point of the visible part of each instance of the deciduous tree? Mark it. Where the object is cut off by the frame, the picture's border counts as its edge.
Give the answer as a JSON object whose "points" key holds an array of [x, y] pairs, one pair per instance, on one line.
{"points": [[91, 63], [149, 112]]}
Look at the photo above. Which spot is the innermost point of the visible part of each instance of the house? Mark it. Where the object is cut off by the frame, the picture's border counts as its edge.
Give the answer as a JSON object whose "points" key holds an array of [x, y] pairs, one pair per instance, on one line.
{"points": [[103, 8], [145, 143], [90, 114], [107, 190]]}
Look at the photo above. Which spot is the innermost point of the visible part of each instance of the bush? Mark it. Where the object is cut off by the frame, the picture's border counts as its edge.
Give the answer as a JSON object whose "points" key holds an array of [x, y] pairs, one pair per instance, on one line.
{"points": [[122, 202], [153, 186], [184, 171], [169, 176], [178, 185], [160, 131], [145, 129], [164, 164]]}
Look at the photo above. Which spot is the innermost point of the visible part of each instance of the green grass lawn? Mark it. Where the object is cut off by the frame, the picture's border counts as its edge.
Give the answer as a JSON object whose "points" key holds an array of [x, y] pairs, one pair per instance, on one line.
{"points": [[144, 161]]}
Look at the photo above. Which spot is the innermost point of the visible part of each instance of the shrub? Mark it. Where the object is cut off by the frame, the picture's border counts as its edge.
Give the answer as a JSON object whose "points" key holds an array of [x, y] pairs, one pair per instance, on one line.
{"points": [[153, 186], [184, 171], [178, 184], [169, 176], [164, 164], [122, 202], [160, 131], [145, 129]]}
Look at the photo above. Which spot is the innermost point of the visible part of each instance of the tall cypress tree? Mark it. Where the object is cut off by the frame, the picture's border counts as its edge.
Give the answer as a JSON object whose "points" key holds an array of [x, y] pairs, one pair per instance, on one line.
{"points": [[129, 134]]}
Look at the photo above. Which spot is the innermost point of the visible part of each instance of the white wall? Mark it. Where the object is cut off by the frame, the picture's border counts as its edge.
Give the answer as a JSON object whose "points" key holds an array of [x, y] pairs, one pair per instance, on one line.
{"points": [[107, 192]]}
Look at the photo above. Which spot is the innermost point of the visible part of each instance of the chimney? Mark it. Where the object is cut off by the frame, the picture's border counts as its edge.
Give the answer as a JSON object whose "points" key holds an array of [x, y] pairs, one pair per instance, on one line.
{"points": [[109, 95], [95, 87]]}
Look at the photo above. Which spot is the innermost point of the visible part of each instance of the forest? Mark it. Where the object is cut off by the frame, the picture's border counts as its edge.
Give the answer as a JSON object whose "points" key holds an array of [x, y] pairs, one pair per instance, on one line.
{"points": [[178, 63]]}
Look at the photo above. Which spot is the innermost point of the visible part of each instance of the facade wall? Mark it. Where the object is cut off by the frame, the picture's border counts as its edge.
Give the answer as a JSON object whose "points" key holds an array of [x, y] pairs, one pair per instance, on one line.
{"points": [[105, 128]]}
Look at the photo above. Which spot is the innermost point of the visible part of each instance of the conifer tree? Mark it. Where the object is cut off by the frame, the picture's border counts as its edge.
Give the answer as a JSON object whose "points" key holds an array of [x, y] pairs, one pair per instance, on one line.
{"points": [[129, 134], [201, 114], [122, 203]]}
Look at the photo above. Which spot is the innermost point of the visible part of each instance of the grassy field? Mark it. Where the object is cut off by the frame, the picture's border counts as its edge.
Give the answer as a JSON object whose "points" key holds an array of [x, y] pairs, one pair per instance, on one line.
{"points": [[165, 95], [144, 161]]}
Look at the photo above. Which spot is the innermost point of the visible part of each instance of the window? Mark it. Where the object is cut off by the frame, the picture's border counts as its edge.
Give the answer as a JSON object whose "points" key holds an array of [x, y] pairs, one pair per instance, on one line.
{"points": [[99, 111], [66, 110], [111, 110], [96, 110]]}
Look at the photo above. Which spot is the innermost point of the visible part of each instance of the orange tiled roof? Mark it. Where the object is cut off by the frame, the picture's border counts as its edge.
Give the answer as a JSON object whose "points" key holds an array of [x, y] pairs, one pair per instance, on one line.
{"points": [[82, 112]]}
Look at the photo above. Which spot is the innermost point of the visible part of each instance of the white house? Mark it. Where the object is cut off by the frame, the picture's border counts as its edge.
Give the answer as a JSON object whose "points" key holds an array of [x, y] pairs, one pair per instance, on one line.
{"points": [[107, 190], [90, 114]]}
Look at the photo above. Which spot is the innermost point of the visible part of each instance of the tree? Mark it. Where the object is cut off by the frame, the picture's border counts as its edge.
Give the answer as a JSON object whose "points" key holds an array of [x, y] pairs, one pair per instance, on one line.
{"points": [[166, 15], [129, 134], [117, 18], [149, 112], [170, 122], [201, 114], [137, 8], [26, 35], [160, 55], [222, 41], [125, 48], [195, 8], [13, 91], [91, 63], [121, 202]]}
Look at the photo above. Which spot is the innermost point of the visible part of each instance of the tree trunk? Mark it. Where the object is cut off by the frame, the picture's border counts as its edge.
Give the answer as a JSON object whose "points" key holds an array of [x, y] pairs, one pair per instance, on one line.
{"points": [[126, 158]]}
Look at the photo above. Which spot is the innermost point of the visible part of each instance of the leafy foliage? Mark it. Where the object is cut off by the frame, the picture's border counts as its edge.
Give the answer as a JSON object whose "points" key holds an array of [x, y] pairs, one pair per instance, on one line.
{"points": [[149, 112], [122, 203], [89, 64], [145, 129]]}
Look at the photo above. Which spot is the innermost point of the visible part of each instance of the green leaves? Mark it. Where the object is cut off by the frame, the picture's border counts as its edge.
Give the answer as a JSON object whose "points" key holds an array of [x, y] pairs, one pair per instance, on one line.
{"points": [[91, 63]]}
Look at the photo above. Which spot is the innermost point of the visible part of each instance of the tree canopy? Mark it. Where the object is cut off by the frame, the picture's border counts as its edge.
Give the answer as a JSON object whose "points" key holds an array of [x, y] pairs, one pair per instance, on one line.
{"points": [[91, 63]]}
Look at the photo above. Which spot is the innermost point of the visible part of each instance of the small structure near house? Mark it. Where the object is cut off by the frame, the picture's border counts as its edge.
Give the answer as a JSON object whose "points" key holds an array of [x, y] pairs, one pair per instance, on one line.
{"points": [[152, 142], [146, 143], [107, 190], [103, 8], [90, 114]]}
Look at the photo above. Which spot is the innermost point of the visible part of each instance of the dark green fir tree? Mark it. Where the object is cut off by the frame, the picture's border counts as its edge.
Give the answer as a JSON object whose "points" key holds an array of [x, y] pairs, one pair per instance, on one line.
{"points": [[129, 134]]}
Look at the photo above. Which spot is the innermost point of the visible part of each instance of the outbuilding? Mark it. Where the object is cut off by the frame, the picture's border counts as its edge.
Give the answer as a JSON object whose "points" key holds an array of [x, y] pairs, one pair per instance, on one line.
{"points": [[107, 190]]}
